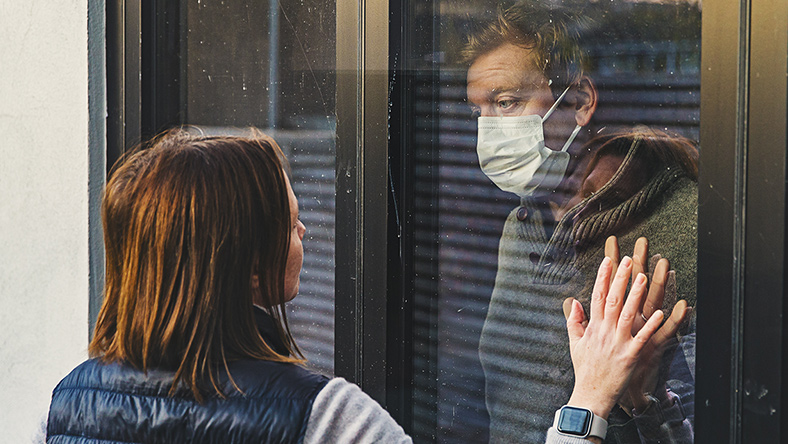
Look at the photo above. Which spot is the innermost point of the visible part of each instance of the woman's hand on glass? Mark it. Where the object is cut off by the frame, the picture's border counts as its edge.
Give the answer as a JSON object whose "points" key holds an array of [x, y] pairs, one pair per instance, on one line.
{"points": [[604, 350]]}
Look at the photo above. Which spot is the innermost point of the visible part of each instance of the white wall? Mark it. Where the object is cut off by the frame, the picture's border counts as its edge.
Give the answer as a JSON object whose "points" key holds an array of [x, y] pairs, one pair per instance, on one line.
{"points": [[43, 205]]}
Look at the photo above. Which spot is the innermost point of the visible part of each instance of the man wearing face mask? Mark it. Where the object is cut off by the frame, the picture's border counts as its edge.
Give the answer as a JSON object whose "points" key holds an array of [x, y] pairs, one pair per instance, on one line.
{"points": [[536, 106]]}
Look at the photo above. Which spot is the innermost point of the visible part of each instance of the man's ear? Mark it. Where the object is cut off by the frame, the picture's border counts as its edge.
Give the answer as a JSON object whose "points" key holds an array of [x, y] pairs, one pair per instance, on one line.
{"points": [[584, 100]]}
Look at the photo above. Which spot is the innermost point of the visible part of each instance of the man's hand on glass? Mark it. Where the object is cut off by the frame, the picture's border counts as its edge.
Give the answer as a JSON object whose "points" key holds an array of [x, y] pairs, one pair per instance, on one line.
{"points": [[661, 284]]}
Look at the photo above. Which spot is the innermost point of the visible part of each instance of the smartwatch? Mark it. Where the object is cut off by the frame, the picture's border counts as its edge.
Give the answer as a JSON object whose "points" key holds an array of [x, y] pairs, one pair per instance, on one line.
{"points": [[579, 422]]}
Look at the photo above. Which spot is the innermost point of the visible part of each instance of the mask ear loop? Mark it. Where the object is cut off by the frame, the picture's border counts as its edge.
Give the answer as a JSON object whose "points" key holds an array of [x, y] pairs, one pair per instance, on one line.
{"points": [[550, 111], [571, 138], [555, 105]]}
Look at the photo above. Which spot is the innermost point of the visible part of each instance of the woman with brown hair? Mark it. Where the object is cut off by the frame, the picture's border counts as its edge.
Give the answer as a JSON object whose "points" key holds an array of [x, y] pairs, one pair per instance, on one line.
{"points": [[203, 248]]}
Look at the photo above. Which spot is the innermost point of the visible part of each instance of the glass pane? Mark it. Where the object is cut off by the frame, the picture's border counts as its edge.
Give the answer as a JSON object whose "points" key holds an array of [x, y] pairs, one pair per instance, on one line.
{"points": [[271, 65], [520, 225]]}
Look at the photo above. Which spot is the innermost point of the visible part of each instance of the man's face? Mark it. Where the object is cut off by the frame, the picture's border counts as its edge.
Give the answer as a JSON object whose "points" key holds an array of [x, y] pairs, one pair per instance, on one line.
{"points": [[506, 82]]}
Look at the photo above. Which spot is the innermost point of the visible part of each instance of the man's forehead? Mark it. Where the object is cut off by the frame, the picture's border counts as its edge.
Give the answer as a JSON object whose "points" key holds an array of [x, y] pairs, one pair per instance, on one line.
{"points": [[505, 68]]}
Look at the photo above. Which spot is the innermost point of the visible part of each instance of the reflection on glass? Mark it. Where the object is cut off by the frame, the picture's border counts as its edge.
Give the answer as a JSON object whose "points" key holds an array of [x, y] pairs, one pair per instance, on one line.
{"points": [[583, 123], [271, 65]]}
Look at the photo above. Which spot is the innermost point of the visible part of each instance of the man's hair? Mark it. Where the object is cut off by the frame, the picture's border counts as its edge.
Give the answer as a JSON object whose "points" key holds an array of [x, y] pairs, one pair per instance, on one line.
{"points": [[552, 32], [188, 220]]}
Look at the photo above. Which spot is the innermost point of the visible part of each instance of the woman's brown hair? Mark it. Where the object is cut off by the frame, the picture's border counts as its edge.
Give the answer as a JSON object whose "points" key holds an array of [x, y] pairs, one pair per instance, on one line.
{"points": [[188, 221], [659, 150]]}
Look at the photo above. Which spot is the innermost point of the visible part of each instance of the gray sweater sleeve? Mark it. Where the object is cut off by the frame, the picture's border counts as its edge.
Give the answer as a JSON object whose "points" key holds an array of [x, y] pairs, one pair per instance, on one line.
{"points": [[342, 413], [553, 437]]}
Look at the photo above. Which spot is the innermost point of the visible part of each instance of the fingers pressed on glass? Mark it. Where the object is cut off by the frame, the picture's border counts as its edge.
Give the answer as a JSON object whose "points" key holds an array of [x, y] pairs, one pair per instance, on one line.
{"points": [[653, 261], [671, 293], [640, 265], [656, 290], [631, 307], [618, 289], [672, 323], [567, 307], [648, 330], [575, 321], [640, 257], [612, 252], [601, 287]]}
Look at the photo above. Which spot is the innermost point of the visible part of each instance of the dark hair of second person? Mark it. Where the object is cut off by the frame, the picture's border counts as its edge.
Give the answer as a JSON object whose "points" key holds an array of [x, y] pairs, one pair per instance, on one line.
{"points": [[656, 152]]}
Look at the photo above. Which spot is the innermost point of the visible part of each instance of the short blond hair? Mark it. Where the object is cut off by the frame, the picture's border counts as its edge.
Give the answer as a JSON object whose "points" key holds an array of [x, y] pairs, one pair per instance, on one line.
{"points": [[552, 32]]}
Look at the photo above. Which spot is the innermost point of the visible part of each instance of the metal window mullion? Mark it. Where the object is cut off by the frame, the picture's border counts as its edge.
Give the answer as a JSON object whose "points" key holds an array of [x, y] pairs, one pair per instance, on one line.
{"points": [[124, 85], [348, 285], [375, 198], [765, 234], [725, 43], [362, 160]]}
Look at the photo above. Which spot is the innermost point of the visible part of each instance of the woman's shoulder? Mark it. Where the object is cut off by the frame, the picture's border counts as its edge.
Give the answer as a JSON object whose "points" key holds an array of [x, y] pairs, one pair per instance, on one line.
{"points": [[263, 401], [116, 376], [254, 378], [271, 379]]}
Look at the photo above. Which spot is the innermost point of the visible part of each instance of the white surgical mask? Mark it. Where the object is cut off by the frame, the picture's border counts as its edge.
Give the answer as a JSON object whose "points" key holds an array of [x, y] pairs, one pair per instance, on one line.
{"points": [[513, 155]]}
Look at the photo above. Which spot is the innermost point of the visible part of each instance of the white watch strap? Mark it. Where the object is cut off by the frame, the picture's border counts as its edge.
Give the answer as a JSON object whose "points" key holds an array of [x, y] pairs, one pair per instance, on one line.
{"points": [[598, 427], [598, 424]]}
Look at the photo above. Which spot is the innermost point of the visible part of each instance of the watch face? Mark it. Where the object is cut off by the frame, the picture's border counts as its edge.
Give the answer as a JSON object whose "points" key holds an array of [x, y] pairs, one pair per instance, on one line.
{"points": [[574, 421]]}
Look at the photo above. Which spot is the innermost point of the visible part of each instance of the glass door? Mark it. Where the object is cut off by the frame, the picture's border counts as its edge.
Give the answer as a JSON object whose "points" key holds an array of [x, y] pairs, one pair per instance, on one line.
{"points": [[497, 243]]}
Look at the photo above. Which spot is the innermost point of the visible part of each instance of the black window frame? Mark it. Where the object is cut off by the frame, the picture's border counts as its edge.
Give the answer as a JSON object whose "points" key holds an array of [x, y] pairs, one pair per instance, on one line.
{"points": [[742, 336]]}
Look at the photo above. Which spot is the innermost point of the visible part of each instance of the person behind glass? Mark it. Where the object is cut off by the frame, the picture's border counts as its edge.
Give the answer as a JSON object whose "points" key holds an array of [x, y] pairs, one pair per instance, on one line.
{"points": [[536, 109], [203, 248]]}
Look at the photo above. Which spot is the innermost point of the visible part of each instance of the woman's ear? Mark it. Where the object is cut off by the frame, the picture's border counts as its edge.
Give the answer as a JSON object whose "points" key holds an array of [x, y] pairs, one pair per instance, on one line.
{"points": [[585, 100]]}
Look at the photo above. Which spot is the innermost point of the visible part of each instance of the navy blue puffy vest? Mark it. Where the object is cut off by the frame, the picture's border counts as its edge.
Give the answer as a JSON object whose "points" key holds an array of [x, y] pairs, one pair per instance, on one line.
{"points": [[103, 403]]}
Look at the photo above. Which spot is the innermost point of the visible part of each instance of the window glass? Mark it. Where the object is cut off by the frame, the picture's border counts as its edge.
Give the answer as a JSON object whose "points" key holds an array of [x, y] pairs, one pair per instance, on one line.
{"points": [[521, 208], [271, 65]]}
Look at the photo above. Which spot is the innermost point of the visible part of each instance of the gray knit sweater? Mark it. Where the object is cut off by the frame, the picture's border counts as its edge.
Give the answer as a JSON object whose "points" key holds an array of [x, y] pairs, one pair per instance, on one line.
{"points": [[524, 347]]}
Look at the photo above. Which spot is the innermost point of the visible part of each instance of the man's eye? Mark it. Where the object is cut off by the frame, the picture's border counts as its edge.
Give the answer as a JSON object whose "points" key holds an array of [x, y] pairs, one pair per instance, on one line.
{"points": [[506, 104]]}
